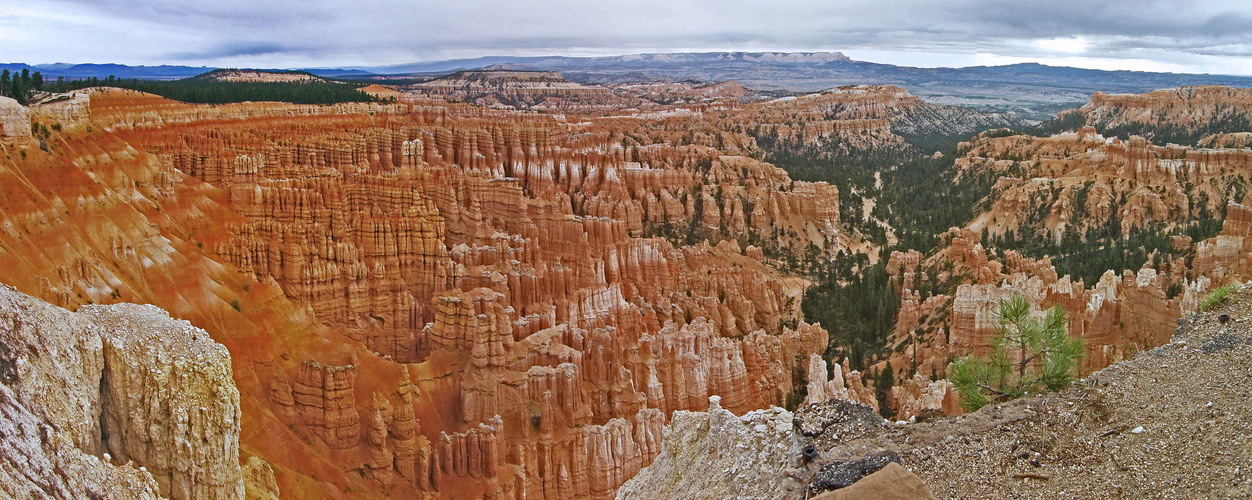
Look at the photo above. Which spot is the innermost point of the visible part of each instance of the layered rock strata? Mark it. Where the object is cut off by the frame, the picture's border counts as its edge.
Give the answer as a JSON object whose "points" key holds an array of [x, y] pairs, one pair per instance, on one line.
{"points": [[1075, 183], [118, 401], [430, 299], [1178, 113]]}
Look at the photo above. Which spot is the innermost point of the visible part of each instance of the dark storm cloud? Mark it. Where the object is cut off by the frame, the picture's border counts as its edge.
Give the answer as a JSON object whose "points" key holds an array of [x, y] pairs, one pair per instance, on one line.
{"points": [[393, 31], [230, 49]]}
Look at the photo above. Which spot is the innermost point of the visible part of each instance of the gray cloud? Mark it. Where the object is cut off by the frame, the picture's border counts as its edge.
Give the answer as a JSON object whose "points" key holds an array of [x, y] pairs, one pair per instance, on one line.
{"points": [[371, 32], [230, 49]]}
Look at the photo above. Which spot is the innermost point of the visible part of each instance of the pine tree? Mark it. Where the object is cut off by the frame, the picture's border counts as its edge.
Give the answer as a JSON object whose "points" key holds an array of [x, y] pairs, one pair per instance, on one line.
{"points": [[1027, 355], [17, 92]]}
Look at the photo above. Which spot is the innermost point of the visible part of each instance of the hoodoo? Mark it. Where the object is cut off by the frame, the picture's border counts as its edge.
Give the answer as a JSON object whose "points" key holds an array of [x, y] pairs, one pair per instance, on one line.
{"points": [[659, 275]]}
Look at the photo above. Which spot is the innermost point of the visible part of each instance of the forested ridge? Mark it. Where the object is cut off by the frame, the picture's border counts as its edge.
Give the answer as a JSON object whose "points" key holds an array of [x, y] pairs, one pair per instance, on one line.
{"points": [[206, 90]]}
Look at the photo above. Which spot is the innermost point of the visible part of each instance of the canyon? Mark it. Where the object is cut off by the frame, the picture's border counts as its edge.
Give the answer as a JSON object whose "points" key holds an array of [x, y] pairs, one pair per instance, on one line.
{"points": [[420, 297], [515, 295]]}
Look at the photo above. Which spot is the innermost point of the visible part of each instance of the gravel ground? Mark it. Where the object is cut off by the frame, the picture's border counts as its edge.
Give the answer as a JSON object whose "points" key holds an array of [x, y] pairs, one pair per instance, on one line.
{"points": [[1173, 422]]}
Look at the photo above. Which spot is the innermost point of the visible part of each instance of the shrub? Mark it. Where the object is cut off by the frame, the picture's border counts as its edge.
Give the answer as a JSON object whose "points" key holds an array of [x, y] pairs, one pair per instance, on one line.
{"points": [[1027, 355], [1216, 297]]}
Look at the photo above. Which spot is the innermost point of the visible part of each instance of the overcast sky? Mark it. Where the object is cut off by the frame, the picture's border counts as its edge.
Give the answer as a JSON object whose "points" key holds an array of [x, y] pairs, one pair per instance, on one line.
{"points": [[1195, 37]]}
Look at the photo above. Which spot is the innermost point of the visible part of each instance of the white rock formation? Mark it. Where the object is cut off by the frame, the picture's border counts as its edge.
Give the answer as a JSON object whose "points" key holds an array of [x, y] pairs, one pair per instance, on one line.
{"points": [[14, 119], [820, 389], [113, 385], [715, 454], [37, 461]]}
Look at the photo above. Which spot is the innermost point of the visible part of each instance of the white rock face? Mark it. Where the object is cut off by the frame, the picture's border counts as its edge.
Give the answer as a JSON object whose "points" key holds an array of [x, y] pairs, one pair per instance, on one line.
{"points": [[718, 455], [36, 461], [169, 403], [14, 119], [67, 109], [124, 383]]}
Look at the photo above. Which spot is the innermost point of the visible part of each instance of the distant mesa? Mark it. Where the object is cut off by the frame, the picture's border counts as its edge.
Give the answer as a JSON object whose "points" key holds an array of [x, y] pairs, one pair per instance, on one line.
{"points": [[505, 72], [498, 76], [381, 92], [259, 76], [507, 86], [520, 89]]}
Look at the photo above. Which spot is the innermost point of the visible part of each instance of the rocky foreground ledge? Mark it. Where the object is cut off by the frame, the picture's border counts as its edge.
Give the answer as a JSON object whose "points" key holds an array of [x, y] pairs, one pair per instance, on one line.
{"points": [[1172, 422], [117, 401]]}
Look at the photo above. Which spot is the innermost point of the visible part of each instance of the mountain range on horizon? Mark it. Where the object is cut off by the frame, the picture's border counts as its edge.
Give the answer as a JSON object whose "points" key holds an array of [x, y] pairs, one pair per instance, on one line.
{"points": [[1036, 89]]}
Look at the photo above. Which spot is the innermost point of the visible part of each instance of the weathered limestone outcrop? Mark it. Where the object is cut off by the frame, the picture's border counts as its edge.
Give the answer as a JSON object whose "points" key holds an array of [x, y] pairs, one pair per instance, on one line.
{"points": [[36, 461], [258, 480], [1229, 254], [68, 110], [123, 382], [325, 400], [14, 118], [716, 454]]}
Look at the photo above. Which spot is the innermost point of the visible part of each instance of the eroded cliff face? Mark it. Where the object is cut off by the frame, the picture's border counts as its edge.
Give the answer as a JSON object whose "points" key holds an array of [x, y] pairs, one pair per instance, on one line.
{"points": [[523, 90], [856, 119], [1222, 259], [1117, 316], [14, 119], [425, 299], [114, 401], [1076, 183], [1182, 115]]}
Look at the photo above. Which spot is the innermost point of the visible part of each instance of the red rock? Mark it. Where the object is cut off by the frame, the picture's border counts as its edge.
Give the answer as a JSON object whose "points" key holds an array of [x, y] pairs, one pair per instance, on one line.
{"points": [[431, 298]]}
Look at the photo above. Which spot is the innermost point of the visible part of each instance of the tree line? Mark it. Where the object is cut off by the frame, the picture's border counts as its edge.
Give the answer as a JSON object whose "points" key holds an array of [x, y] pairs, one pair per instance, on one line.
{"points": [[207, 91], [20, 85]]}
